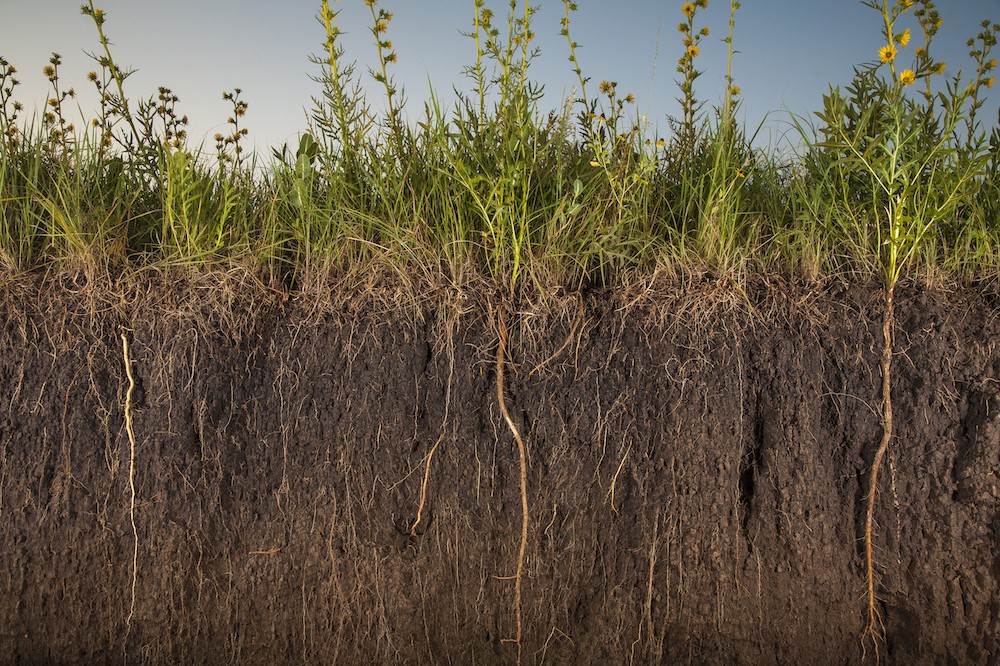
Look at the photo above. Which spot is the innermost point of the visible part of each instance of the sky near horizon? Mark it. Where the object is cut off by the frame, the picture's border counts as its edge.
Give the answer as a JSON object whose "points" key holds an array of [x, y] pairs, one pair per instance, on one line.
{"points": [[789, 52]]}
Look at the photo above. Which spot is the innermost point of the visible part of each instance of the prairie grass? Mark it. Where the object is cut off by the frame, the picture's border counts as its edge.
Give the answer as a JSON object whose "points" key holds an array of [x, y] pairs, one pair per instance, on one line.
{"points": [[897, 174]]}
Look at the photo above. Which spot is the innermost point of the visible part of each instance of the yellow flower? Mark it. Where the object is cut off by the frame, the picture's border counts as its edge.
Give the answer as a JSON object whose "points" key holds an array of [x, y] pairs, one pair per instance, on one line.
{"points": [[990, 64], [688, 9], [705, 31], [906, 77], [736, 90], [887, 53], [939, 69], [920, 52], [682, 27], [692, 51], [904, 38], [990, 81]]}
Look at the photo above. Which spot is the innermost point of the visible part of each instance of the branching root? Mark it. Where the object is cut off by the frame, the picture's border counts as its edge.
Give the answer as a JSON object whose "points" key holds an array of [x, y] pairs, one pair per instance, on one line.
{"points": [[501, 351], [874, 628], [129, 429], [423, 486]]}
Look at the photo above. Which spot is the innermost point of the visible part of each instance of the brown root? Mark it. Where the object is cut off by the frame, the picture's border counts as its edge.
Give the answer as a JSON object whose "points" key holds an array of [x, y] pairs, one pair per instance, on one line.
{"points": [[423, 486], [501, 351], [875, 629], [131, 475]]}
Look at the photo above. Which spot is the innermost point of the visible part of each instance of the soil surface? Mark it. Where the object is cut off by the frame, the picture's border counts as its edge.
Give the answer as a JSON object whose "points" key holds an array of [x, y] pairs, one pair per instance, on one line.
{"points": [[697, 462]]}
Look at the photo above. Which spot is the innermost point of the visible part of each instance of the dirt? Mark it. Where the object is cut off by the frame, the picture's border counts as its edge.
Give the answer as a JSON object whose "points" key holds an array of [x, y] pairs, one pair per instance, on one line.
{"points": [[697, 461]]}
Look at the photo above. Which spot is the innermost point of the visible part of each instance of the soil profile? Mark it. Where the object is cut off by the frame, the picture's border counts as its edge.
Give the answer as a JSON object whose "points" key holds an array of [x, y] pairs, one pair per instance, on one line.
{"points": [[200, 475]]}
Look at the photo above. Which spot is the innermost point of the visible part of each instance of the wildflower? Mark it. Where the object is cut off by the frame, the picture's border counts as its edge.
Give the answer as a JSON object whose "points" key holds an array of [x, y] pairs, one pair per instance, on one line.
{"points": [[92, 76], [920, 52], [705, 31], [990, 81], [49, 71], [887, 53], [630, 98], [682, 27], [606, 87], [660, 143], [688, 9], [692, 51], [990, 64], [907, 77], [736, 90], [939, 68], [904, 38]]}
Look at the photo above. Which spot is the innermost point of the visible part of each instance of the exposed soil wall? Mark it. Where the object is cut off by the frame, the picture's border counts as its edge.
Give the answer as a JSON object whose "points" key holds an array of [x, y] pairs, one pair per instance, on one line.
{"points": [[696, 475]]}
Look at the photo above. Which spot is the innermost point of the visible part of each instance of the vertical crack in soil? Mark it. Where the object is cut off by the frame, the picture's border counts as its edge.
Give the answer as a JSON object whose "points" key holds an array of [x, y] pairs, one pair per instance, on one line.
{"points": [[749, 465]]}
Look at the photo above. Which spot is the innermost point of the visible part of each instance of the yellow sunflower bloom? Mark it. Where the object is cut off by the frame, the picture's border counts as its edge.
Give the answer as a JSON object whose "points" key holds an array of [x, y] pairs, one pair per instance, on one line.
{"points": [[693, 51], [688, 9], [904, 38], [887, 53], [990, 81], [907, 77]]}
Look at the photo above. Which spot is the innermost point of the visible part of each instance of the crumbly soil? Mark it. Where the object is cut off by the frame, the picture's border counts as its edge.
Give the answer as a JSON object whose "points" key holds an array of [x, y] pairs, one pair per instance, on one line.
{"points": [[697, 463]]}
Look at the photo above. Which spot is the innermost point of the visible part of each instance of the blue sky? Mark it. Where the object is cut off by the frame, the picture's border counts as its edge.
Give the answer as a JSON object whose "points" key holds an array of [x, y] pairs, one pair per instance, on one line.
{"points": [[789, 52]]}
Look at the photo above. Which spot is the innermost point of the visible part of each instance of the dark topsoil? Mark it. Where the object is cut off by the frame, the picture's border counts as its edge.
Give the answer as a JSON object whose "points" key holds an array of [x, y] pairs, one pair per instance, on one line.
{"points": [[697, 465]]}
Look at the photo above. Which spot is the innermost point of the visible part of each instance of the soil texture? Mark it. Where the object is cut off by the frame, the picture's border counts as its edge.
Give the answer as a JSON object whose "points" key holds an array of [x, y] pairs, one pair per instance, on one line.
{"points": [[337, 484]]}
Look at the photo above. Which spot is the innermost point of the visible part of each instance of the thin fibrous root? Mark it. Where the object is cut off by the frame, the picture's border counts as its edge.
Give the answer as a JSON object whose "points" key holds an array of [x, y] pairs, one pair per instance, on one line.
{"points": [[614, 479], [565, 344], [131, 477], [875, 629], [423, 486], [501, 350]]}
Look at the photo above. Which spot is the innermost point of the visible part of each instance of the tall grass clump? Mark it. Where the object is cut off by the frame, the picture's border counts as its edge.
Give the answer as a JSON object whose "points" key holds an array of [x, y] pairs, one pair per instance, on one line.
{"points": [[898, 172]]}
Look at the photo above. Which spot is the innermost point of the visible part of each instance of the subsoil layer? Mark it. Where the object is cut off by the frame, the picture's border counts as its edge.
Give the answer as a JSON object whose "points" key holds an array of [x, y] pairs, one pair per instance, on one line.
{"points": [[697, 464]]}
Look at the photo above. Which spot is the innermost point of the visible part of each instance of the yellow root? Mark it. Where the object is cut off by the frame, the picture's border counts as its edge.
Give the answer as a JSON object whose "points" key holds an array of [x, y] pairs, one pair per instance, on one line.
{"points": [[875, 629], [131, 475], [614, 479], [501, 350], [423, 486]]}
